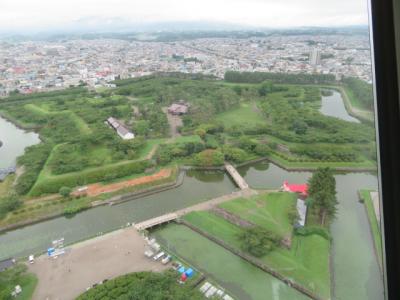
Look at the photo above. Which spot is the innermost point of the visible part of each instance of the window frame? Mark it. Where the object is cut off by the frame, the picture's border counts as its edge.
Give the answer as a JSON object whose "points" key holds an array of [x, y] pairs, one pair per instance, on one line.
{"points": [[385, 38]]}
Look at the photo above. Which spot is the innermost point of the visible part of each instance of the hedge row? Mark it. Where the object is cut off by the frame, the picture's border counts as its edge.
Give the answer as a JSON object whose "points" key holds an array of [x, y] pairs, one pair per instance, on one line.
{"points": [[306, 231], [53, 185]]}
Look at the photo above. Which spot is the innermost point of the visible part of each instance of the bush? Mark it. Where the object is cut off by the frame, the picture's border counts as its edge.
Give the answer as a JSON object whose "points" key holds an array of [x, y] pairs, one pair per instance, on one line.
{"points": [[208, 158], [143, 285], [306, 231], [257, 241], [65, 191], [236, 155]]}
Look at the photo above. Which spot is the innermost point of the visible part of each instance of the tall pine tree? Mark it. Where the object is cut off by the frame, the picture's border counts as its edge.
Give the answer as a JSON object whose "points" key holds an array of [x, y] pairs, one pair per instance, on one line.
{"points": [[322, 193]]}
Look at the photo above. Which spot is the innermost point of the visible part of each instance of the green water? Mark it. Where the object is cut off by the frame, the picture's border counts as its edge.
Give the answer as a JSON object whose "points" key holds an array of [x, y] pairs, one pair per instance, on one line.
{"points": [[243, 280], [356, 271], [197, 187], [334, 106], [14, 141]]}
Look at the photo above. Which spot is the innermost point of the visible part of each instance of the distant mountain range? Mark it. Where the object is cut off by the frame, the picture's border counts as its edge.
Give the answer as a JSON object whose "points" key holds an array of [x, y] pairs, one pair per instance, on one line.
{"points": [[93, 28]]}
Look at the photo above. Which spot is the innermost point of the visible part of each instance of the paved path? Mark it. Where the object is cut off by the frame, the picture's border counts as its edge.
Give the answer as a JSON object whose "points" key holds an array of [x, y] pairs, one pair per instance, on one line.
{"points": [[239, 180], [89, 262], [207, 205]]}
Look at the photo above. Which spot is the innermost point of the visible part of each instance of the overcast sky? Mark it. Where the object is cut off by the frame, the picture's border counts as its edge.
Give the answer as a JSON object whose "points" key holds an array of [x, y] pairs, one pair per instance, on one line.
{"points": [[29, 14]]}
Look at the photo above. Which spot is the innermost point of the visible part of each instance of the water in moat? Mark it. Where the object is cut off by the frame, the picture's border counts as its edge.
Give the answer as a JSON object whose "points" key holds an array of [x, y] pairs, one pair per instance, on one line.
{"points": [[14, 141], [356, 271], [333, 106]]}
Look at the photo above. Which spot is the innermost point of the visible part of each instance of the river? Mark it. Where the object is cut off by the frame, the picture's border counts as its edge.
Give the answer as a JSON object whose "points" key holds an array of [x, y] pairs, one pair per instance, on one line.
{"points": [[333, 106], [14, 141]]}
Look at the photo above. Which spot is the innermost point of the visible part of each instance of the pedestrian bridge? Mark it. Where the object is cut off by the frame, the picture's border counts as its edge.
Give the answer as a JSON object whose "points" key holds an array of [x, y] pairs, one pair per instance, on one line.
{"points": [[237, 178], [156, 221]]}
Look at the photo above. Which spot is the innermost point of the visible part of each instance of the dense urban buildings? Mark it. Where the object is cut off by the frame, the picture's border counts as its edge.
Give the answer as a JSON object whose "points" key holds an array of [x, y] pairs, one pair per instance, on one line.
{"points": [[31, 66]]}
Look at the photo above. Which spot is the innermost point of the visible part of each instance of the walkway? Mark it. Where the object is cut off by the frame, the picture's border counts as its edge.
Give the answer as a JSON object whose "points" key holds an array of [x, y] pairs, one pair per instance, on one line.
{"points": [[156, 221], [207, 205], [237, 178]]}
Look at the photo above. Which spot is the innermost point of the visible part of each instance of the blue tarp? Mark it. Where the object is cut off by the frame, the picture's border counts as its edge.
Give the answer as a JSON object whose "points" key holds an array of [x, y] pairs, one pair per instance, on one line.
{"points": [[189, 273], [181, 270], [50, 251]]}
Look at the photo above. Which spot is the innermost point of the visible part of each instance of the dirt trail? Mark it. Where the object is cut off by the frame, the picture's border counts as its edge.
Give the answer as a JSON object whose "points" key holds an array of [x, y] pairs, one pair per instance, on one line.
{"points": [[97, 188], [174, 123]]}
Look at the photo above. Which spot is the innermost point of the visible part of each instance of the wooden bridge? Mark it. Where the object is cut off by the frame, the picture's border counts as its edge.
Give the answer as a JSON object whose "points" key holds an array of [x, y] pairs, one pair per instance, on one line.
{"points": [[237, 178], [156, 221]]}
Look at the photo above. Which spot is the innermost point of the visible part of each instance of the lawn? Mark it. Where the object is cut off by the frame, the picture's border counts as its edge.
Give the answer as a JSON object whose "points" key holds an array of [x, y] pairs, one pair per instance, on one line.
{"points": [[247, 114], [307, 261], [268, 210], [373, 222]]}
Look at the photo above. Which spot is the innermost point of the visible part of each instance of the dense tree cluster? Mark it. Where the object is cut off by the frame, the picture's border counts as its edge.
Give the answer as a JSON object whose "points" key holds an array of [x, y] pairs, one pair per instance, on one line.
{"points": [[143, 286], [361, 90], [258, 241], [258, 77]]}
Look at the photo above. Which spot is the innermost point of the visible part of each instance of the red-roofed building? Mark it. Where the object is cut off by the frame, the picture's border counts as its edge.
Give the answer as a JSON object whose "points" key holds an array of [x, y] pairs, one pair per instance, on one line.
{"points": [[301, 189]]}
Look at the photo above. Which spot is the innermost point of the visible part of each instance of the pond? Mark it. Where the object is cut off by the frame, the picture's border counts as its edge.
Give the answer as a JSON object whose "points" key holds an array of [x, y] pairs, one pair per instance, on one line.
{"points": [[333, 105], [14, 140]]}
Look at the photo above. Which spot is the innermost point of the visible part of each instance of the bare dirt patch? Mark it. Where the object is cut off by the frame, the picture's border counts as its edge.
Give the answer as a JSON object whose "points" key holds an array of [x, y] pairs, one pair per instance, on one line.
{"points": [[97, 188], [90, 262]]}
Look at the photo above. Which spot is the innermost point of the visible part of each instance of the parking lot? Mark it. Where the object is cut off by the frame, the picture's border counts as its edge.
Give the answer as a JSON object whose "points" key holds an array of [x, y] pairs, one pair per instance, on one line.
{"points": [[89, 262]]}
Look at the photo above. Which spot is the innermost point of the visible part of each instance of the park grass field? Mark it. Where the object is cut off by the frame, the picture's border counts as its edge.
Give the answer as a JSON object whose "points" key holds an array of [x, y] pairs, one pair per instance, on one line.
{"points": [[247, 114], [373, 222], [269, 211], [307, 260]]}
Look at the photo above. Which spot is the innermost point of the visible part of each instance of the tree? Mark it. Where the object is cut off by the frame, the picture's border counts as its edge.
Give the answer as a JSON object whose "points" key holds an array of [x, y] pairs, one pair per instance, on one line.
{"points": [[322, 193], [65, 191], [257, 241], [299, 127], [265, 88], [209, 158]]}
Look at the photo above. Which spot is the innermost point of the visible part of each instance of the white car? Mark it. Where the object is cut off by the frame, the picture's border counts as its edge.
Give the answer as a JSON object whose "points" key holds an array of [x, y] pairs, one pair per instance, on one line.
{"points": [[31, 259]]}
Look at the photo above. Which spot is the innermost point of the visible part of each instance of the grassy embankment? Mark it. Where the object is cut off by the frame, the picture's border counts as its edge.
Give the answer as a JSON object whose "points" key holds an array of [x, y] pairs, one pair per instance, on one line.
{"points": [[307, 260], [42, 207], [242, 279], [365, 197]]}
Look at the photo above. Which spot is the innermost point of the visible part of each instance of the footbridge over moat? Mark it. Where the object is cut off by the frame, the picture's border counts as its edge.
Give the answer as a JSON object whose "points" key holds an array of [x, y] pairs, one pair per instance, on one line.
{"points": [[237, 178]]}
